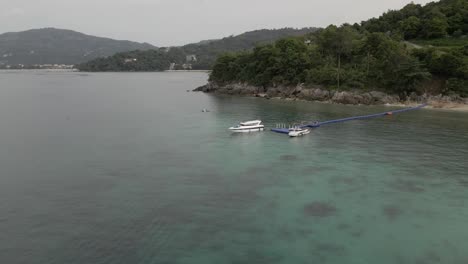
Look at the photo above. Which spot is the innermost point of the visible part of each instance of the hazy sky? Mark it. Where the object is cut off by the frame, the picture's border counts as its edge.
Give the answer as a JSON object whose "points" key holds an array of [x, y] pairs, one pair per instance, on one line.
{"points": [[176, 22]]}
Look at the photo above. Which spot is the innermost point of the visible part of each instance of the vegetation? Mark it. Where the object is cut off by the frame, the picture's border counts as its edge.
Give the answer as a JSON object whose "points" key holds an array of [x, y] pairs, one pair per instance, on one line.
{"points": [[434, 20], [58, 46], [150, 60], [442, 42], [372, 55], [205, 51]]}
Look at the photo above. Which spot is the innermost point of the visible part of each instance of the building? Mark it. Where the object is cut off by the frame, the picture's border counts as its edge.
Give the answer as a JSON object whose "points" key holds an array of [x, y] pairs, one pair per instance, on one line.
{"points": [[187, 66], [191, 58], [172, 66], [130, 60]]}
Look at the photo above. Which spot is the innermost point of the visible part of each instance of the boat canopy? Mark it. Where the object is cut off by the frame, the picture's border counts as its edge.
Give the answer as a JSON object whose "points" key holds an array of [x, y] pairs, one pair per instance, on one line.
{"points": [[251, 123]]}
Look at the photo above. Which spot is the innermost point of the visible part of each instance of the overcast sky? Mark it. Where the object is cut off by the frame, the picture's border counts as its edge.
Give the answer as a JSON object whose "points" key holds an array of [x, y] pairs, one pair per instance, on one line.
{"points": [[177, 22]]}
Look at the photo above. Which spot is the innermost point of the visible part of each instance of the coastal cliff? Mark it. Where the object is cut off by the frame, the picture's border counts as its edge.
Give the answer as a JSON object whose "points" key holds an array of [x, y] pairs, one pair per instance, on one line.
{"points": [[319, 93]]}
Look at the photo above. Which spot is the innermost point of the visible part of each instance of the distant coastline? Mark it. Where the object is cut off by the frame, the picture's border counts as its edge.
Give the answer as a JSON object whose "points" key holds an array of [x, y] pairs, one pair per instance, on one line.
{"points": [[207, 71], [39, 70], [38, 67]]}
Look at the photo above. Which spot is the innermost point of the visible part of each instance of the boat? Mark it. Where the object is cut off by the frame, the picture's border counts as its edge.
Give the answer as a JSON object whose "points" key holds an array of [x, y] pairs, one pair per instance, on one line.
{"points": [[248, 126], [204, 110], [298, 131]]}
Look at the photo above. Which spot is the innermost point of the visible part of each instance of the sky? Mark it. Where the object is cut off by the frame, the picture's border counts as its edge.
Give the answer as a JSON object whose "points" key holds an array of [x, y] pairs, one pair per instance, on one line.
{"points": [[178, 22]]}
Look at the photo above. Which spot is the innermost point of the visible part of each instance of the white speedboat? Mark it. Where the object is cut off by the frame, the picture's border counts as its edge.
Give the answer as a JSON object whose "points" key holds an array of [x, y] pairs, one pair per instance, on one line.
{"points": [[248, 126], [297, 131]]}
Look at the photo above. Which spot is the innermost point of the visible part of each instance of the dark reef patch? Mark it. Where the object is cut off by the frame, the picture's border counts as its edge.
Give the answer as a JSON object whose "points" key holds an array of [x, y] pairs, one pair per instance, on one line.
{"points": [[349, 190], [304, 232], [426, 213], [358, 233], [257, 256], [309, 182], [288, 157], [258, 170], [342, 180], [217, 247], [319, 209], [331, 249], [407, 186], [284, 233], [430, 257], [392, 212], [343, 226], [174, 215], [316, 169], [463, 183]]}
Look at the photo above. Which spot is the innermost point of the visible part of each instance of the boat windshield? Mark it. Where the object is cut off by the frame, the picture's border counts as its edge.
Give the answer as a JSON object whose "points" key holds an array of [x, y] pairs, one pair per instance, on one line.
{"points": [[296, 129], [250, 123]]}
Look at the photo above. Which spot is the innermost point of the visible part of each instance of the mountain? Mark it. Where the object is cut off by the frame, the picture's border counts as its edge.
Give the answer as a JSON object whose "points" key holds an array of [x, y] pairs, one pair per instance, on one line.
{"points": [[59, 46], [205, 52]]}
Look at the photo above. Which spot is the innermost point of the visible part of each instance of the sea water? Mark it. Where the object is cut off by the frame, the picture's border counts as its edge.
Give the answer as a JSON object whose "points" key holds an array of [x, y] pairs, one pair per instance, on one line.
{"points": [[126, 168]]}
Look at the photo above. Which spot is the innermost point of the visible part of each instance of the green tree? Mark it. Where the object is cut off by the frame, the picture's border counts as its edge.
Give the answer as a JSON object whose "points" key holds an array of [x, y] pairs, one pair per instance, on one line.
{"points": [[435, 27], [337, 42], [410, 27], [225, 69]]}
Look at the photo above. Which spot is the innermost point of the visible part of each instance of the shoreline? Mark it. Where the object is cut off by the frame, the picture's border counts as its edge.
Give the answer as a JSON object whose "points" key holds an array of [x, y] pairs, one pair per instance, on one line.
{"points": [[207, 71], [452, 107], [318, 94]]}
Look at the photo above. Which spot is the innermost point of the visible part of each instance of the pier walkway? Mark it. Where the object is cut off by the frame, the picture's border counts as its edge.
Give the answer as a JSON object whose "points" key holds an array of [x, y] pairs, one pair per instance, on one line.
{"points": [[318, 124]]}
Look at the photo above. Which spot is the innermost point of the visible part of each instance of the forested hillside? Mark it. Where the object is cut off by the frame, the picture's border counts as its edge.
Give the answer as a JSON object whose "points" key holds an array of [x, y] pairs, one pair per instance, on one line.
{"points": [[59, 46], [434, 20], [381, 53], [208, 52], [205, 52], [149, 60]]}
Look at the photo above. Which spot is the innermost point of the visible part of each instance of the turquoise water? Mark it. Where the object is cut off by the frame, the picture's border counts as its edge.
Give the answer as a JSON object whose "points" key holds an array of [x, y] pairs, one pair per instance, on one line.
{"points": [[125, 168]]}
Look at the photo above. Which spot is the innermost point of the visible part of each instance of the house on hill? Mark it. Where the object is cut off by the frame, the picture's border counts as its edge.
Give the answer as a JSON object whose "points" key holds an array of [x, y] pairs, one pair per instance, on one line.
{"points": [[191, 58]]}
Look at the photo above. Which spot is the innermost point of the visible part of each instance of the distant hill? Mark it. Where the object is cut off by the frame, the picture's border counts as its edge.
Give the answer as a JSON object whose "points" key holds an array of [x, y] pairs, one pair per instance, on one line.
{"points": [[208, 51], [59, 46], [205, 52]]}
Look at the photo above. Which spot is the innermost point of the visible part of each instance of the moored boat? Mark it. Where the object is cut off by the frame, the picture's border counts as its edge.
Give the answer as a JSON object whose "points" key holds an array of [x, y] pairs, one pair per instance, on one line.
{"points": [[248, 126], [298, 131]]}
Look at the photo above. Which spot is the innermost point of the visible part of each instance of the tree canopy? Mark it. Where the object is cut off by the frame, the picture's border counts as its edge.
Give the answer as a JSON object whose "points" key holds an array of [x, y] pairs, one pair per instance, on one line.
{"points": [[402, 51], [434, 20], [345, 58], [206, 52]]}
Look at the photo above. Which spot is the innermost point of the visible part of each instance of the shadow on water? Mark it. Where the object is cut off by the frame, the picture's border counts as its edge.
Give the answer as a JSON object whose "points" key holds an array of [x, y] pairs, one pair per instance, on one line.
{"points": [[320, 209], [288, 157], [407, 186], [392, 212]]}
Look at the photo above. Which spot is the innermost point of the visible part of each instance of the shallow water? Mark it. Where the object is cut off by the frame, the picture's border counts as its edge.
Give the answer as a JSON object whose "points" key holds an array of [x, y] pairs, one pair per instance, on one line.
{"points": [[125, 168]]}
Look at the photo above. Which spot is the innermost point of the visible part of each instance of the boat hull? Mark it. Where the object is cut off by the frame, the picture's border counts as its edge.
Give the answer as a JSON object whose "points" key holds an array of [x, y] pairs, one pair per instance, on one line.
{"points": [[246, 130], [299, 133]]}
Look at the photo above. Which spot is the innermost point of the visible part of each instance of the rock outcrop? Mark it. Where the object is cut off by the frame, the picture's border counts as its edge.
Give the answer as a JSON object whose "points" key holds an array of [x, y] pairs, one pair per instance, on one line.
{"points": [[318, 93]]}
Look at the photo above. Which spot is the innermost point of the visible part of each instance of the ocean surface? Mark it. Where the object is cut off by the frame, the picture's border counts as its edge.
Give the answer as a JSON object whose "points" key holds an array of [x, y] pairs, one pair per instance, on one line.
{"points": [[119, 168]]}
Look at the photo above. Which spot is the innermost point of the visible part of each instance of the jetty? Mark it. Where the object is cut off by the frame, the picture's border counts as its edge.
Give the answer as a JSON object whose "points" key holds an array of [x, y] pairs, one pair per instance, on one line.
{"points": [[341, 120]]}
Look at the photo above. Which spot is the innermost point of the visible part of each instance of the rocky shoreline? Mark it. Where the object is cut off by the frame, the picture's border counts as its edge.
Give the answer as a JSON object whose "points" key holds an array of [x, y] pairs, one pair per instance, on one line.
{"points": [[317, 93]]}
